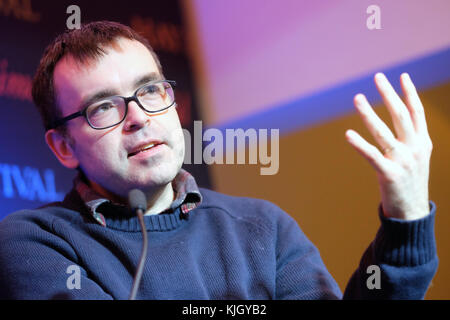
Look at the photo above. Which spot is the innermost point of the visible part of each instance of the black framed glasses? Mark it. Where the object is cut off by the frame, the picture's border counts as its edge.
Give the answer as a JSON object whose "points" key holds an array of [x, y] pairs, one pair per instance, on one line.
{"points": [[153, 97]]}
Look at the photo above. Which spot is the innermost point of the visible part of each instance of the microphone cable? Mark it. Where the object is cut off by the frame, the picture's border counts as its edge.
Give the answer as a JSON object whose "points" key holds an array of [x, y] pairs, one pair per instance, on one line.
{"points": [[138, 204]]}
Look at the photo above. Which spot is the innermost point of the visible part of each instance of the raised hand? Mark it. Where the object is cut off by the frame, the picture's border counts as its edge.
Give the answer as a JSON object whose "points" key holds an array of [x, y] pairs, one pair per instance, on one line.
{"points": [[403, 163]]}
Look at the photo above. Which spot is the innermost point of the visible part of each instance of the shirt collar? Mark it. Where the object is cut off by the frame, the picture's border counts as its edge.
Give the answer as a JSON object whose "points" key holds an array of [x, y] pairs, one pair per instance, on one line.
{"points": [[187, 196]]}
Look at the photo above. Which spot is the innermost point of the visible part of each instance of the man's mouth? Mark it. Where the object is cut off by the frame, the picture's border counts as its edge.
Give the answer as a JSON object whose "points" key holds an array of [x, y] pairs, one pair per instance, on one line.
{"points": [[144, 148]]}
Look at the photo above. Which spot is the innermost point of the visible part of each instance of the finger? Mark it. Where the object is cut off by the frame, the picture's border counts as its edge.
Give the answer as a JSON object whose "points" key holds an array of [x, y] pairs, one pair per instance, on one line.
{"points": [[413, 103], [399, 113], [368, 151], [379, 130]]}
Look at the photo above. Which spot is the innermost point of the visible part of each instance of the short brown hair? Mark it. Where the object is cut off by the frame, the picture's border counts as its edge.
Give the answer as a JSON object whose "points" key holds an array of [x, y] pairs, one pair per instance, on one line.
{"points": [[84, 45]]}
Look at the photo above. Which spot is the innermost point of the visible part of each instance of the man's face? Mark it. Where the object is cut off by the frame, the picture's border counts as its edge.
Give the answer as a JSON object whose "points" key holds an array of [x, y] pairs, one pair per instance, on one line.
{"points": [[107, 156]]}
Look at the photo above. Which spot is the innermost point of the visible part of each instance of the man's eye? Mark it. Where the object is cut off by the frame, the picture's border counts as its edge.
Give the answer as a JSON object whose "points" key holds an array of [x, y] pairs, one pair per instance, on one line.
{"points": [[150, 90], [101, 108]]}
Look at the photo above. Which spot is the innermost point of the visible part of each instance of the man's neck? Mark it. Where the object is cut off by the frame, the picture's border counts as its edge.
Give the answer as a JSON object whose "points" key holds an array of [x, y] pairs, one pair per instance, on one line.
{"points": [[158, 199]]}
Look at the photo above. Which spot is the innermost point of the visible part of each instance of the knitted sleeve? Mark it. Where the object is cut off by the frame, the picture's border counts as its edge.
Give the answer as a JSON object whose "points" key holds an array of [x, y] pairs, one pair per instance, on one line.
{"points": [[37, 264], [399, 263]]}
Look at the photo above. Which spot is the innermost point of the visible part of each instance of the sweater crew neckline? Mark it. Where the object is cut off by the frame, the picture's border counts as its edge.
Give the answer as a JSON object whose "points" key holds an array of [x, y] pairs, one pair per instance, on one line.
{"points": [[158, 222]]}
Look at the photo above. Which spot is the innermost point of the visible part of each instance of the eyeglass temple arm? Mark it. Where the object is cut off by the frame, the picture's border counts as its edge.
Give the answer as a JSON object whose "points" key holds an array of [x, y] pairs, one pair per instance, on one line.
{"points": [[55, 124]]}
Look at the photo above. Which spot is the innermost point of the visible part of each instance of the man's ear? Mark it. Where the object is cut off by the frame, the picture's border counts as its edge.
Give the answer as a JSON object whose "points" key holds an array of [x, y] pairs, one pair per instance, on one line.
{"points": [[61, 148]]}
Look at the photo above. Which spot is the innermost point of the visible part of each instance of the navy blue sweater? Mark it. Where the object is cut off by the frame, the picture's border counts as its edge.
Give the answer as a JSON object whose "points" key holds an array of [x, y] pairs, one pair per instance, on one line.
{"points": [[229, 248]]}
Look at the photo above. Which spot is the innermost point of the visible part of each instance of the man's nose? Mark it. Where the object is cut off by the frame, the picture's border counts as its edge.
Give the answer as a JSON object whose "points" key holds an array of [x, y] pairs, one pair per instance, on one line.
{"points": [[136, 117]]}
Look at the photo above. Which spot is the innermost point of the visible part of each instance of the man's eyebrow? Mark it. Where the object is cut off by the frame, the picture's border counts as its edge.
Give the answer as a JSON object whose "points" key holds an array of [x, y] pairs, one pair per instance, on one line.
{"points": [[111, 92], [146, 78], [97, 96]]}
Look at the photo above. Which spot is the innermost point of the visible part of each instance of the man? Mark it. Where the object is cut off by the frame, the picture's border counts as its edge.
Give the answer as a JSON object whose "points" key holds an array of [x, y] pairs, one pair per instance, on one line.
{"points": [[110, 113]]}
